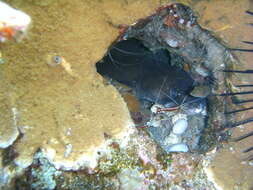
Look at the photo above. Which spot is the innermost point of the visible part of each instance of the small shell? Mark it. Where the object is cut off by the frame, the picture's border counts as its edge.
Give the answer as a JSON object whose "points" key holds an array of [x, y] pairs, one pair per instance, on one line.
{"points": [[179, 148], [181, 21], [180, 126], [172, 43]]}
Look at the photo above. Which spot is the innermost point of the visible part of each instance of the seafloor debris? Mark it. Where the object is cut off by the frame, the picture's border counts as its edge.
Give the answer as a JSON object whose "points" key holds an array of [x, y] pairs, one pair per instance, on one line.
{"points": [[173, 66], [13, 23]]}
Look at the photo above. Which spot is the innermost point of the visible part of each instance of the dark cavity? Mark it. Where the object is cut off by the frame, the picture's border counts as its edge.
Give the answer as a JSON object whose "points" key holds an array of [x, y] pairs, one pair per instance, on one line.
{"points": [[150, 74]]}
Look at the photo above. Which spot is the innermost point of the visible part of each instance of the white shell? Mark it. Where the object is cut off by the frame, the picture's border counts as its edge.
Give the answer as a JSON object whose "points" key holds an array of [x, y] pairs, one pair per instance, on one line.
{"points": [[172, 43], [180, 126], [172, 139], [181, 21], [179, 148]]}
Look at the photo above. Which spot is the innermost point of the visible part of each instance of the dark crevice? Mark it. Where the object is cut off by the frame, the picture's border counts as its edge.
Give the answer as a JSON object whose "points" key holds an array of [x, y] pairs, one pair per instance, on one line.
{"points": [[149, 74], [153, 77], [167, 62]]}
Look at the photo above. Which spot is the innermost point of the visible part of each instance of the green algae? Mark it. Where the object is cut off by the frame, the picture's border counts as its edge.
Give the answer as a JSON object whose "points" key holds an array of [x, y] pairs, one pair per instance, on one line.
{"points": [[117, 161]]}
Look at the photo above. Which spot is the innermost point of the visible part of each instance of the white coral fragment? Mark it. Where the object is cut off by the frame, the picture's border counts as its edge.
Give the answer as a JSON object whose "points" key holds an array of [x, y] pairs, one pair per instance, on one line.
{"points": [[8, 128], [179, 148]]}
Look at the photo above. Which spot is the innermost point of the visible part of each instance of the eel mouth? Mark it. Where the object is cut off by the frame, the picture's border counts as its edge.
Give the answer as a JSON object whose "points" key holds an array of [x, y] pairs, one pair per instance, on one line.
{"points": [[172, 66]]}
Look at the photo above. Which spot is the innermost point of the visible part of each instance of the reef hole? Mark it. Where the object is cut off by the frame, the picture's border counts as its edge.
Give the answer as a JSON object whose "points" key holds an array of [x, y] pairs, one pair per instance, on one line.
{"points": [[156, 82], [172, 66]]}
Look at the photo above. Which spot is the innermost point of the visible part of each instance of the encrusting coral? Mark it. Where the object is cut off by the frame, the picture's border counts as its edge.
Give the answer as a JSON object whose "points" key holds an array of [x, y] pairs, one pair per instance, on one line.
{"points": [[65, 110]]}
